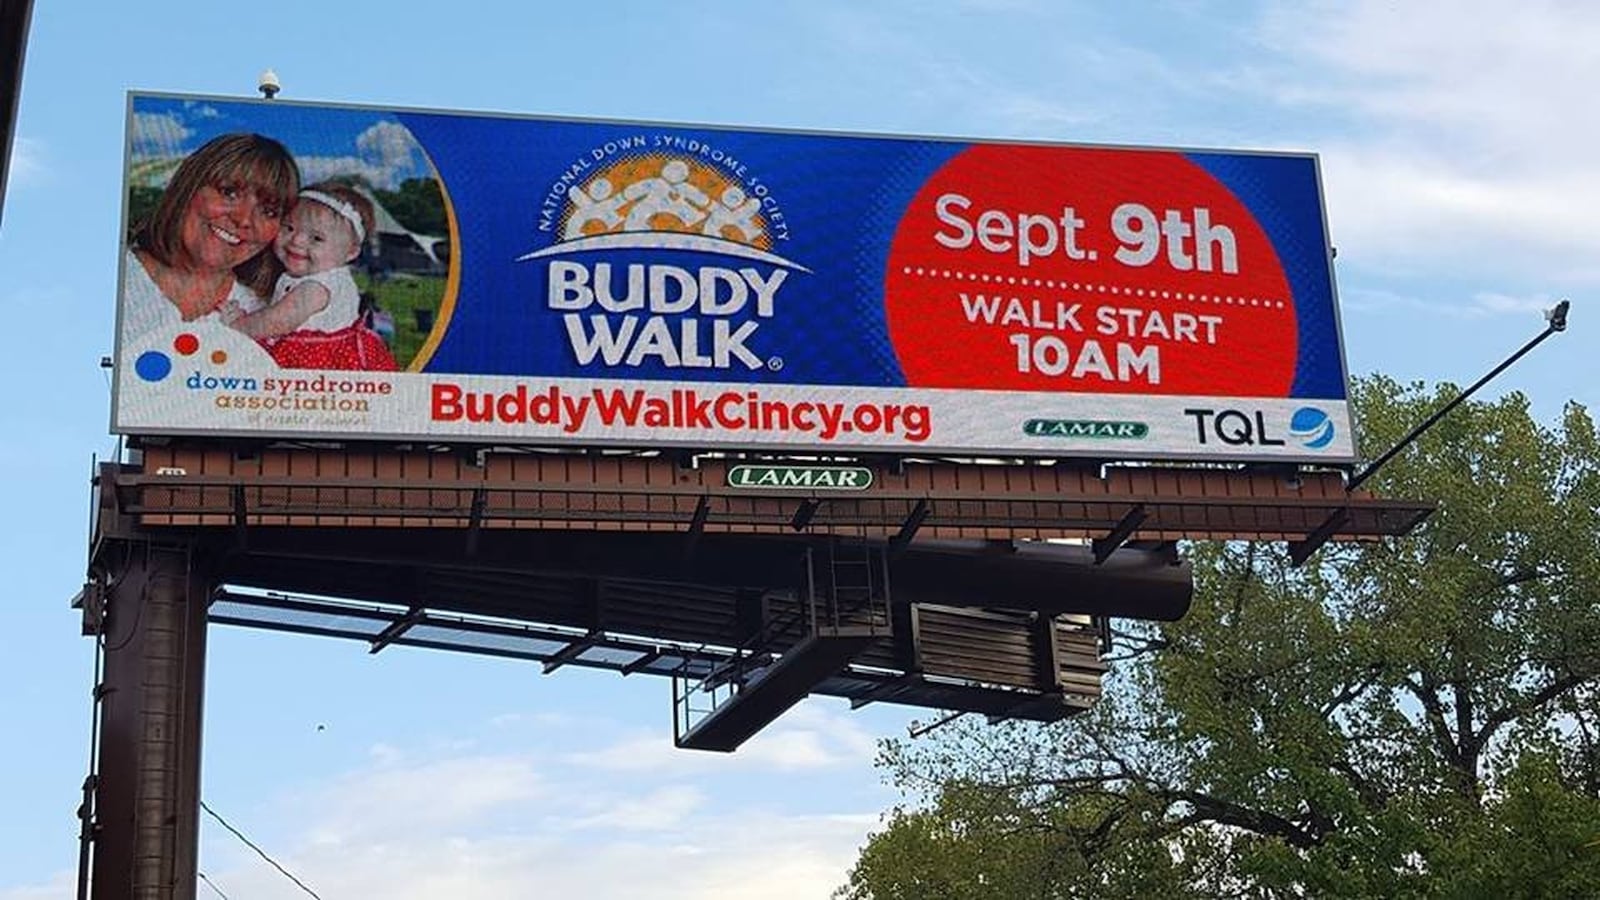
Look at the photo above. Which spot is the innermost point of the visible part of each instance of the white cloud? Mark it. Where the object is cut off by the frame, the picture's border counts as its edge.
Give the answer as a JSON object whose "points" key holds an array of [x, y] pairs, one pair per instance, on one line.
{"points": [[27, 163], [1495, 304], [1465, 65], [521, 825], [386, 154], [658, 810], [437, 796], [319, 168], [1411, 210], [159, 135], [558, 720], [808, 737], [1455, 131], [201, 110], [1476, 306], [62, 885], [747, 856], [387, 145]]}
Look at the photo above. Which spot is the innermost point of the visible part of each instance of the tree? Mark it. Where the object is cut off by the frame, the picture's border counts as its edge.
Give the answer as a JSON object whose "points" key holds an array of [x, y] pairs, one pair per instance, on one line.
{"points": [[418, 205], [1417, 717]]}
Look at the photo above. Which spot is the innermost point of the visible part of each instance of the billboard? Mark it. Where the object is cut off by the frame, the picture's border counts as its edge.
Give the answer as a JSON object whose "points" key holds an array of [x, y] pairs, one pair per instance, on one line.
{"points": [[308, 270]]}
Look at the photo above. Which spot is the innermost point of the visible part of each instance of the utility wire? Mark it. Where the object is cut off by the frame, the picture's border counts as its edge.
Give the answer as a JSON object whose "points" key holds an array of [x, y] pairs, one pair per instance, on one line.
{"points": [[260, 852], [211, 884]]}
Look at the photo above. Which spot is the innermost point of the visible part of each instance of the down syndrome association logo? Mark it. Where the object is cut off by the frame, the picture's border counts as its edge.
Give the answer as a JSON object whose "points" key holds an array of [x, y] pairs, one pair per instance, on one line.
{"points": [[155, 365], [219, 369]]}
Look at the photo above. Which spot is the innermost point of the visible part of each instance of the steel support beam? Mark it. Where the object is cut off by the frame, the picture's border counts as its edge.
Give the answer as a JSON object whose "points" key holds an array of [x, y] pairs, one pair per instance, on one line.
{"points": [[804, 513], [641, 662], [1105, 546], [570, 652], [886, 689], [768, 695], [909, 528], [1300, 551], [241, 518], [393, 631], [147, 794], [475, 521]]}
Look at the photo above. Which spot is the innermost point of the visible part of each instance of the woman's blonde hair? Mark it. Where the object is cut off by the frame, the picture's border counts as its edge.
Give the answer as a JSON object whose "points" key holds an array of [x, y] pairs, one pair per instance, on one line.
{"points": [[250, 161]]}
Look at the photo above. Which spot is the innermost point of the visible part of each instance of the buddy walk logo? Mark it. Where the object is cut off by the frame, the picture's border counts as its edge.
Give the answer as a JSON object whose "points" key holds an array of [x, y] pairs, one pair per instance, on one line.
{"points": [[664, 256]]}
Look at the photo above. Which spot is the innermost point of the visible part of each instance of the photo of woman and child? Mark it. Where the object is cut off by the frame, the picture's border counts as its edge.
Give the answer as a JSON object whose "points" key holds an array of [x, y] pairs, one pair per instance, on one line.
{"points": [[236, 240]]}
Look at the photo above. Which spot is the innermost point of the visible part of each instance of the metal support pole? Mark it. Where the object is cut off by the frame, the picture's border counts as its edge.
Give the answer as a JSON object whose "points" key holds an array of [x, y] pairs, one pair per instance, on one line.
{"points": [[14, 18], [147, 796], [1300, 551], [1557, 317]]}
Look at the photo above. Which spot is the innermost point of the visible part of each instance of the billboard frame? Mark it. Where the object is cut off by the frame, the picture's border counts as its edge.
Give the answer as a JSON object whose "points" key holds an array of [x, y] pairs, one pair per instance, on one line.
{"points": [[726, 445]]}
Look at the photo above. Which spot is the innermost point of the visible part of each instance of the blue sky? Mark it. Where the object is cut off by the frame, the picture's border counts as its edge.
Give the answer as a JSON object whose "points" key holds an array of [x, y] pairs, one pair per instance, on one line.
{"points": [[370, 143], [1456, 141]]}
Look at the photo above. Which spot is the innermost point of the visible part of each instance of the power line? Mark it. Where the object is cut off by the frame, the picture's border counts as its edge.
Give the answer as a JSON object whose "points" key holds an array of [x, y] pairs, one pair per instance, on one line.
{"points": [[259, 852], [211, 884]]}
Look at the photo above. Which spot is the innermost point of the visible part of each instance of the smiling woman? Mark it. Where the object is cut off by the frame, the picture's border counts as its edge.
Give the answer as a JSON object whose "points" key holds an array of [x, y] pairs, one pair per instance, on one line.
{"points": [[199, 253]]}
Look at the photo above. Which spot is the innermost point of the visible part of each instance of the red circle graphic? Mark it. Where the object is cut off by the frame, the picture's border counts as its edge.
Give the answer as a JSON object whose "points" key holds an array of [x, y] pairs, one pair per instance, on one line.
{"points": [[1087, 270]]}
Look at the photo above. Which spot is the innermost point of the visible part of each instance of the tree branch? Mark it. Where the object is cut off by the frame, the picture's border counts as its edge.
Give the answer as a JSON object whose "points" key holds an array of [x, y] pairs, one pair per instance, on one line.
{"points": [[1427, 693], [1352, 690], [1374, 797], [1226, 812], [1467, 748], [1520, 576], [1527, 704], [1211, 808]]}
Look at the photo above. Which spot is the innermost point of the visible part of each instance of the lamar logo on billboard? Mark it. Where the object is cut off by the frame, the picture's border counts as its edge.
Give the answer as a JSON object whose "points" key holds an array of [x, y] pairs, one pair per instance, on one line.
{"points": [[838, 478], [1086, 428], [664, 256]]}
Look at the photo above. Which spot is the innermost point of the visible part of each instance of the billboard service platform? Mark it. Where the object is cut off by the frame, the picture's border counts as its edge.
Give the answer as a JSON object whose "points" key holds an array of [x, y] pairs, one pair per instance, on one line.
{"points": [[360, 273]]}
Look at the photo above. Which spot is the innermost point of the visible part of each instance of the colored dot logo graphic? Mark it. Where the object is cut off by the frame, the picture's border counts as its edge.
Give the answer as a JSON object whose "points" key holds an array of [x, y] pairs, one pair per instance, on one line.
{"points": [[1311, 427], [657, 192], [154, 365]]}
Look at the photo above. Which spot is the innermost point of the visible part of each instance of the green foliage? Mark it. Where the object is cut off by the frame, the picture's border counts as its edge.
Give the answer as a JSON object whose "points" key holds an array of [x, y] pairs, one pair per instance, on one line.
{"points": [[402, 296], [418, 205], [1409, 718], [141, 203]]}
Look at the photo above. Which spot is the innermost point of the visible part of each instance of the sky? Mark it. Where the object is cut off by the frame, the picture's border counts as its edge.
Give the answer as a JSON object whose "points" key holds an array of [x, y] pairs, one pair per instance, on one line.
{"points": [[1455, 141], [368, 143]]}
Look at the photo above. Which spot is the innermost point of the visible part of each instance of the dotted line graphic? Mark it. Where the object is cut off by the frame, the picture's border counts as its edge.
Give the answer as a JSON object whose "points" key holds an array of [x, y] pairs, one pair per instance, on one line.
{"points": [[1091, 288]]}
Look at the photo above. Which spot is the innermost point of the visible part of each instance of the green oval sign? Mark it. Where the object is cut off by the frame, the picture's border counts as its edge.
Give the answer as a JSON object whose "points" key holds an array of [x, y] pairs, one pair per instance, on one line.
{"points": [[1097, 429], [801, 478]]}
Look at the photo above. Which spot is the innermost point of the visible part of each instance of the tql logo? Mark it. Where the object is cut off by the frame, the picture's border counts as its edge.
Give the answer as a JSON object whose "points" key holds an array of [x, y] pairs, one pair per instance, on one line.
{"points": [[1311, 427], [1233, 427]]}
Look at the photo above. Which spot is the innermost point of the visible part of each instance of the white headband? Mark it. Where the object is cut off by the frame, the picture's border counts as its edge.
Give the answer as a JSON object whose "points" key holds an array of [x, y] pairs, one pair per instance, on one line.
{"points": [[341, 207]]}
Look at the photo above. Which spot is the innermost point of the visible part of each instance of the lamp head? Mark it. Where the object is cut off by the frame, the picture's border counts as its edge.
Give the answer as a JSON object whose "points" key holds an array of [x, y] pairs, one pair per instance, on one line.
{"points": [[1557, 315]]}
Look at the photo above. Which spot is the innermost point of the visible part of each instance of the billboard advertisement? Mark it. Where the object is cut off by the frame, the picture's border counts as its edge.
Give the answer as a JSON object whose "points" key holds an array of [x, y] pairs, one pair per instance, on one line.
{"points": [[342, 272]]}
